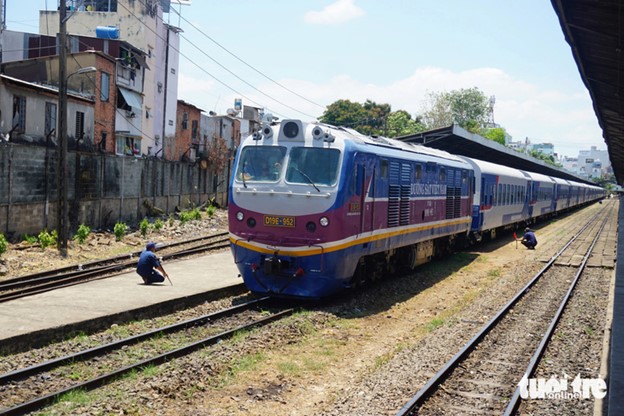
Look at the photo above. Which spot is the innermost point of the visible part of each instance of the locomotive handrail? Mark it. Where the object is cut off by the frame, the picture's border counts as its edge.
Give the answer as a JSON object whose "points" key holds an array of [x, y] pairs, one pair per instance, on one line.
{"points": [[289, 193]]}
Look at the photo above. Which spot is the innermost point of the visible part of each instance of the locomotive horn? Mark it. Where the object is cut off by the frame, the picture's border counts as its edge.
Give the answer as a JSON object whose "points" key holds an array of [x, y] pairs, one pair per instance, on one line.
{"points": [[267, 132]]}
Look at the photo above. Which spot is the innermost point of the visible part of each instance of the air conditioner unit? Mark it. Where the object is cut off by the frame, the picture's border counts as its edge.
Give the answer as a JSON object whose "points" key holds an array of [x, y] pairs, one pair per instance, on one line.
{"points": [[130, 114]]}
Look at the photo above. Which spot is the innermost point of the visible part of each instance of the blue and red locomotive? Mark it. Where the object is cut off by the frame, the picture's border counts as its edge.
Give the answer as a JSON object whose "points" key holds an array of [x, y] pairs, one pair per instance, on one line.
{"points": [[315, 209]]}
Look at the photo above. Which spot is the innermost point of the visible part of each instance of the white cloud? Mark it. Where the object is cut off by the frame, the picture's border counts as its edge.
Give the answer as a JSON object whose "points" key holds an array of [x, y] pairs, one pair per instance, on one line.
{"points": [[564, 118], [338, 12]]}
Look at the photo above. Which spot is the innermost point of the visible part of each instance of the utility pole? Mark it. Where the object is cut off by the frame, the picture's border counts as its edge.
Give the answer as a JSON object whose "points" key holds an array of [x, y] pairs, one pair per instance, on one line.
{"points": [[62, 217]]}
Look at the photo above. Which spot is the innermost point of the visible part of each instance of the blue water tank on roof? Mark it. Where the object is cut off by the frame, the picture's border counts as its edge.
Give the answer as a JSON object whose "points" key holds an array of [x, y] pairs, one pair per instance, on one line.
{"points": [[107, 32]]}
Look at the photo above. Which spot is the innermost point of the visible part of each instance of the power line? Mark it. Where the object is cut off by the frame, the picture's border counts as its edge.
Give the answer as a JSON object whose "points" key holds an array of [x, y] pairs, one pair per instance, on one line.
{"points": [[245, 63], [240, 79], [209, 74]]}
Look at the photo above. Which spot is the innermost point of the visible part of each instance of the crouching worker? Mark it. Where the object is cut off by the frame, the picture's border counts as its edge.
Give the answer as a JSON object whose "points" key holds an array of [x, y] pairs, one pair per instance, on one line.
{"points": [[149, 267], [529, 240]]}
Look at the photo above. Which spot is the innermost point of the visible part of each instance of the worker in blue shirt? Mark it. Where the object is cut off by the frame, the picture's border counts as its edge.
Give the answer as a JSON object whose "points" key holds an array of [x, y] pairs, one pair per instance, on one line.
{"points": [[529, 240], [149, 267]]}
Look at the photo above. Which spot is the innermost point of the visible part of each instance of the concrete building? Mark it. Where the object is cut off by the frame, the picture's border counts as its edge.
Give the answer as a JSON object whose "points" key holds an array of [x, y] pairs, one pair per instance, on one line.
{"points": [[593, 163], [184, 147], [117, 89], [545, 148], [141, 24], [570, 164], [36, 120]]}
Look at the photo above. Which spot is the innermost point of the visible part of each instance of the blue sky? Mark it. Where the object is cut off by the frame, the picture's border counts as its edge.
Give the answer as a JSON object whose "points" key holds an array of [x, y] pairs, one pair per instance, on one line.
{"points": [[296, 57]]}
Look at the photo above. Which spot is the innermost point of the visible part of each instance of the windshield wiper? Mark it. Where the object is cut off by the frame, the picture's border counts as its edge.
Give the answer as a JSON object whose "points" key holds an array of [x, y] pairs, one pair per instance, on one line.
{"points": [[308, 179], [243, 174]]}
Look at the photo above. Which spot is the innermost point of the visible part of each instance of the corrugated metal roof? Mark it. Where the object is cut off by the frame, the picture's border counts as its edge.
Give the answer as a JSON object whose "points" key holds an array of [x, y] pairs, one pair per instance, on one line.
{"points": [[594, 30], [458, 141]]}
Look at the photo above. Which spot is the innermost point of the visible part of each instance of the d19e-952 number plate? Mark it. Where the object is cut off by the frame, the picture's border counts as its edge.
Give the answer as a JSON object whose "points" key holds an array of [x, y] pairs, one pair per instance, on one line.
{"points": [[273, 221]]}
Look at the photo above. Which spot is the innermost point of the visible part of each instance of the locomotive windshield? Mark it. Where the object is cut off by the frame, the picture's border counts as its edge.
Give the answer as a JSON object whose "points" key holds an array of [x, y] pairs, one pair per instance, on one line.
{"points": [[261, 163], [314, 166]]}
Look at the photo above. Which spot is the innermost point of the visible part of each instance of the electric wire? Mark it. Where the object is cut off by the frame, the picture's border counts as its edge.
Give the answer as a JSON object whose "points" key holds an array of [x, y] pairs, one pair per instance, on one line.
{"points": [[242, 80], [244, 62], [221, 65], [209, 74]]}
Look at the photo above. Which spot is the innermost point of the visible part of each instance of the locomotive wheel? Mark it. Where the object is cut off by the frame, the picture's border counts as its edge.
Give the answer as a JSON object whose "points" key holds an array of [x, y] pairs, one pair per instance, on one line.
{"points": [[359, 276]]}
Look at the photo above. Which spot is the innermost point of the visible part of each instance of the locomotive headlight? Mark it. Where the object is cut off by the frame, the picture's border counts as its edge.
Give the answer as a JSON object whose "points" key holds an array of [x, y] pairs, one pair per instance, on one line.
{"points": [[240, 216], [324, 221]]}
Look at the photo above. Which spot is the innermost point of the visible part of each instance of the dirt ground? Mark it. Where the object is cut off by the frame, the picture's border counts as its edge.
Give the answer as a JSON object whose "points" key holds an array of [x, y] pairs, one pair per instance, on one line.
{"points": [[351, 358], [357, 366]]}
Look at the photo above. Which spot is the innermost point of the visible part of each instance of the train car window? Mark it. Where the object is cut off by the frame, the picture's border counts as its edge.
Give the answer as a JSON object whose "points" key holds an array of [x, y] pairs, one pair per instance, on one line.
{"points": [[313, 165], [494, 189], [442, 175], [507, 195], [261, 163], [464, 177], [417, 172], [384, 169], [359, 179]]}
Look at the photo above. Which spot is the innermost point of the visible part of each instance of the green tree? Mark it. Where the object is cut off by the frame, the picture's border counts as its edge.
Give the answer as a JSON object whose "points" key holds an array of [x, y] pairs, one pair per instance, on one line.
{"points": [[368, 118], [496, 134], [400, 123], [550, 159], [469, 108]]}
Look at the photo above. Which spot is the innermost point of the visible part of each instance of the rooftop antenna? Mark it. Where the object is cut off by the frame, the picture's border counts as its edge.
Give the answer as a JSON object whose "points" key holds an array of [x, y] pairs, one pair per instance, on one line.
{"points": [[491, 103], [180, 3], [3, 15]]}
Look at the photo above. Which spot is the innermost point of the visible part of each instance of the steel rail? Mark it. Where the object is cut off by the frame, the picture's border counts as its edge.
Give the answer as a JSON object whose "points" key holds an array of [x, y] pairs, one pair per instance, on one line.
{"points": [[41, 402], [47, 283], [425, 392], [514, 403], [79, 267], [102, 349]]}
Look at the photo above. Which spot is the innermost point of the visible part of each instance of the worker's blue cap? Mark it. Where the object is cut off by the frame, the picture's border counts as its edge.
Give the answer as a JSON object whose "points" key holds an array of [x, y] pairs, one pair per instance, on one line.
{"points": [[150, 246]]}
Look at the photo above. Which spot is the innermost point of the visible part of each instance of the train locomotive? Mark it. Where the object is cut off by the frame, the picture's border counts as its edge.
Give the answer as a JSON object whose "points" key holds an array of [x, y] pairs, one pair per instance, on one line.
{"points": [[314, 209]]}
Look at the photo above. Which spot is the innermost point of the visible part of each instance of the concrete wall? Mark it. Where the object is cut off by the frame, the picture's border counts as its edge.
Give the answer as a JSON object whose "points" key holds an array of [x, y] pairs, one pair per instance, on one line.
{"points": [[106, 189]]}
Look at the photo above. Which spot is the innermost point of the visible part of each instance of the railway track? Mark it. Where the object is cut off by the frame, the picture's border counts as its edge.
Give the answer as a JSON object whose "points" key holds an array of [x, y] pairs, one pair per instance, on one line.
{"points": [[55, 378], [32, 284], [482, 377]]}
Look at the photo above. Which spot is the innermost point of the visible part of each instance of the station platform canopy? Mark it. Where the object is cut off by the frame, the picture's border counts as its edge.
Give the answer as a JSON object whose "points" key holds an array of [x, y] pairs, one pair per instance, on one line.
{"points": [[595, 33], [458, 141]]}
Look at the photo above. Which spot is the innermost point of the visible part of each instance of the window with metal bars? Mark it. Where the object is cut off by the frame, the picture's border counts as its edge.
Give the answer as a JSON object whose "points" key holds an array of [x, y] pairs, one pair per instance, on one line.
{"points": [[19, 114], [79, 124], [50, 118]]}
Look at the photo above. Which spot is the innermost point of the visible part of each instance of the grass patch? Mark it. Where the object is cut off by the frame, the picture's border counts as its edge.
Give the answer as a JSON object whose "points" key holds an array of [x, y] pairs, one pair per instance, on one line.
{"points": [[121, 331], [76, 398], [494, 273], [240, 336], [150, 370], [434, 324], [289, 368], [239, 366]]}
